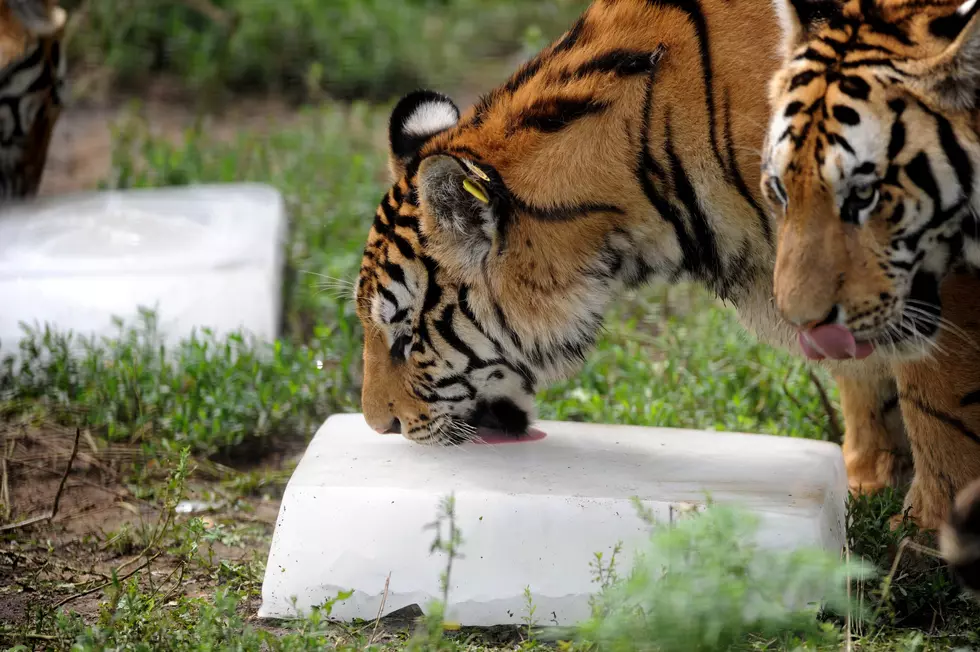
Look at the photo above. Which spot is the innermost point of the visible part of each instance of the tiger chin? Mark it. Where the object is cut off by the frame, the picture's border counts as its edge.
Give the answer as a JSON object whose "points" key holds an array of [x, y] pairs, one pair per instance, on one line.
{"points": [[870, 167]]}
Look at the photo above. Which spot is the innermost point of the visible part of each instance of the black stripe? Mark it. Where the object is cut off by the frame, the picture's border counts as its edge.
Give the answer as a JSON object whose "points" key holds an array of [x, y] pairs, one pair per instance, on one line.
{"points": [[846, 115], [386, 293], [956, 155], [403, 246], [395, 272], [872, 61], [462, 296], [735, 175], [444, 326], [840, 141], [803, 78], [622, 63], [646, 165], [524, 74], [792, 109], [889, 404], [970, 399], [564, 213], [433, 293], [33, 58], [708, 262], [943, 417], [399, 316], [571, 38], [897, 141], [695, 14], [554, 115], [920, 173], [813, 55], [855, 87]]}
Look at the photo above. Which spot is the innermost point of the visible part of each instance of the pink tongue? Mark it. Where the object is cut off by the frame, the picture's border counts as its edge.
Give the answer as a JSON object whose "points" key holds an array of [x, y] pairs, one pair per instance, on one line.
{"points": [[487, 436], [832, 341]]}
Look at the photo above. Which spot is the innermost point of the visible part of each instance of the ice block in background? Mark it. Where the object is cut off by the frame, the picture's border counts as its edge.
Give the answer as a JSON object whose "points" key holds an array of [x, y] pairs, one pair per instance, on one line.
{"points": [[208, 255], [532, 513]]}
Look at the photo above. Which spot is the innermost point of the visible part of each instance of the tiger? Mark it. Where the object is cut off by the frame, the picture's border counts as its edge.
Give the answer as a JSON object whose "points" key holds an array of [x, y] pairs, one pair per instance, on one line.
{"points": [[32, 78], [870, 165], [624, 152]]}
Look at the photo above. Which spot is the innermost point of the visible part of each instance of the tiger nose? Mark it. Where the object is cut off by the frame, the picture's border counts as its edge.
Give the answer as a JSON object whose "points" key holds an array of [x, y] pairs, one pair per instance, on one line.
{"points": [[393, 427], [812, 319]]}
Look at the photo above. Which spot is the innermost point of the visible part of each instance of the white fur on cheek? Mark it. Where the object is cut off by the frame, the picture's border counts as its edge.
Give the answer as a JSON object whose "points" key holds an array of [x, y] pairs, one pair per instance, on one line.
{"points": [[431, 118]]}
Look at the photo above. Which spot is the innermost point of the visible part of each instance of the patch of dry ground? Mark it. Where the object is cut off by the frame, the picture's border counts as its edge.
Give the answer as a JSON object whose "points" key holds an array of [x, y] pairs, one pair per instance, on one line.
{"points": [[103, 525]]}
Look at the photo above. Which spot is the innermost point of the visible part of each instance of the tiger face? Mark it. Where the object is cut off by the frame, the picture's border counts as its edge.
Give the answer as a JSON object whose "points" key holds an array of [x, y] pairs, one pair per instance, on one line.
{"points": [[869, 165]]}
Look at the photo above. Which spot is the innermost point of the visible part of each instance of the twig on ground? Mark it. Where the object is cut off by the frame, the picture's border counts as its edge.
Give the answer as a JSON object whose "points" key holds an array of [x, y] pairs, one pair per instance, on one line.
{"points": [[4, 489], [381, 608], [177, 584], [64, 477], [836, 434], [57, 497]]}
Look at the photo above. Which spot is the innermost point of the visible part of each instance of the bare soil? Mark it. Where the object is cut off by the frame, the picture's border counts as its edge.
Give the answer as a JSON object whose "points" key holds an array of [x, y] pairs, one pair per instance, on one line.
{"points": [[103, 525]]}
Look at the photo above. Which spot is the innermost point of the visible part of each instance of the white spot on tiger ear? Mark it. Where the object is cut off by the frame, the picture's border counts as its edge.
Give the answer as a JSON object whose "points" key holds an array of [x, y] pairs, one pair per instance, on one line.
{"points": [[966, 7], [431, 118]]}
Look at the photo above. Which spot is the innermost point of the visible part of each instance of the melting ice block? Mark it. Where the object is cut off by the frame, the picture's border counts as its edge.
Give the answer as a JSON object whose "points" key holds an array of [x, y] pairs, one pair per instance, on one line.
{"points": [[208, 255], [532, 513]]}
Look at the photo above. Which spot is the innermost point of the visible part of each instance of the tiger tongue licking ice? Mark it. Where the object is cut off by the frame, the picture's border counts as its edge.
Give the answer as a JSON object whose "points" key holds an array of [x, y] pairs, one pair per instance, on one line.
{"points": [[832, 341]]}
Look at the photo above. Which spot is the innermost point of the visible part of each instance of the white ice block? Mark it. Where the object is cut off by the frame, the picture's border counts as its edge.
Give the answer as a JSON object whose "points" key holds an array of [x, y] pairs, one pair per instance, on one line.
{"points": [[532, 513], [207, 255]]}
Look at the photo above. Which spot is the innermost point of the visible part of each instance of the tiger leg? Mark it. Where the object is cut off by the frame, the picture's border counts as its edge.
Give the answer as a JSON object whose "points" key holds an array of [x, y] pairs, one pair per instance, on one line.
{"points": [[940, 401], [876, 448]]}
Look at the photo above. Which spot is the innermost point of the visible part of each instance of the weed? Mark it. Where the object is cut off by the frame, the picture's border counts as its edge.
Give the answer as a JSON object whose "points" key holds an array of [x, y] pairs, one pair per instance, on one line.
{"points": [[216, 395], [703, 584]]}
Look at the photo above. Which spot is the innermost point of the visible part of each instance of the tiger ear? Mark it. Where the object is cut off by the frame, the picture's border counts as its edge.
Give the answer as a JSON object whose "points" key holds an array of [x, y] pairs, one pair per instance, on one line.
{"points": [[799, 18], [417, 117], [457, 218], [952, 78]]}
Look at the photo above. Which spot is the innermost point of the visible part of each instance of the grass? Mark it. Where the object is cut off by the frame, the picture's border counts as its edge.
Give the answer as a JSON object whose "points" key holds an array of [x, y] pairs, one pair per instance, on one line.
{"points": [[304, 48]]}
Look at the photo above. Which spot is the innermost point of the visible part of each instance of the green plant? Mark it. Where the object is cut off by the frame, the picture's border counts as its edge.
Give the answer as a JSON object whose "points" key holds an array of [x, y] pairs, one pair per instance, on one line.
{"points": [[216, 395], [347, 48], [703, 584]]}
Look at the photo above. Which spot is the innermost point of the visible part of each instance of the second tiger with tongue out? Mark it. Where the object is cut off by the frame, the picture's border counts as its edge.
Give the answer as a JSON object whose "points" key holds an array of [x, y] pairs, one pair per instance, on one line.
{"points": [[870, 166]]}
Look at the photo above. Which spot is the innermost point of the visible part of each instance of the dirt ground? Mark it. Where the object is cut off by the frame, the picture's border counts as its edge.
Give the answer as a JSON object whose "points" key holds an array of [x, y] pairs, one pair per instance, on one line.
{"points": [[100, 524]]}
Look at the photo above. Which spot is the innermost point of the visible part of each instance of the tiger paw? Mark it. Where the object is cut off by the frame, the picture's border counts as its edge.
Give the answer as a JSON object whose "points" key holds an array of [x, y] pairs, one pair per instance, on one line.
{"points": [[870, 472], [926, 510]]}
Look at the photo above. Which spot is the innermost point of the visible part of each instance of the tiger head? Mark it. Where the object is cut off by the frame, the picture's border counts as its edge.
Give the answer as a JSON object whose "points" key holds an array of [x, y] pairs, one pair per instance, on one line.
{"points": [[869, 165], [478, 283]]}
